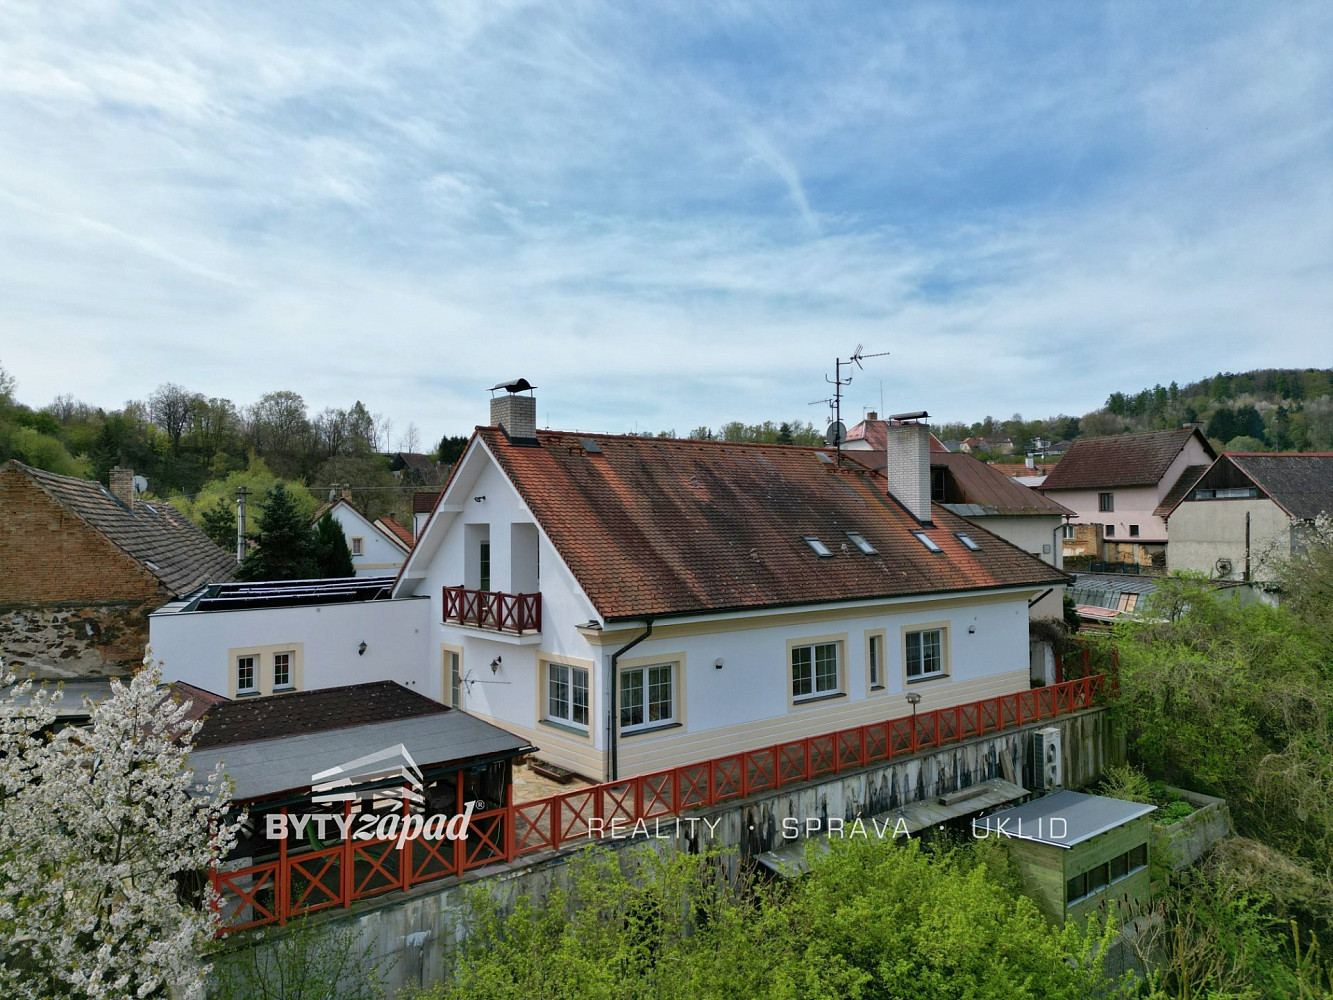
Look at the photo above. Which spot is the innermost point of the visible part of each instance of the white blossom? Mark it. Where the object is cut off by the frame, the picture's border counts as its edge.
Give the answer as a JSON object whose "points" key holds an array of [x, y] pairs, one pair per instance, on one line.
{"points": [[106, 839]]}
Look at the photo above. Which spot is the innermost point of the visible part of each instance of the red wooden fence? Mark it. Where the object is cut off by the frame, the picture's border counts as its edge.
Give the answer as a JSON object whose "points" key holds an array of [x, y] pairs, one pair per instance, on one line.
{"points": [[493, 609], [274, 891]]}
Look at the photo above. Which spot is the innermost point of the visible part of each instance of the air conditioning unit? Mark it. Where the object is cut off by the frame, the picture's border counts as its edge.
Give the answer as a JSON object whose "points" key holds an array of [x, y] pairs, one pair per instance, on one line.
{"points": [[1048, 771]]}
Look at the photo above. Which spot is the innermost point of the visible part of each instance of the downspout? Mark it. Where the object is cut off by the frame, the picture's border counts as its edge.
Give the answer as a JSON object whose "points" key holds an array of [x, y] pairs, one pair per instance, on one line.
{"points": [[1247, 546], [613, 764]]}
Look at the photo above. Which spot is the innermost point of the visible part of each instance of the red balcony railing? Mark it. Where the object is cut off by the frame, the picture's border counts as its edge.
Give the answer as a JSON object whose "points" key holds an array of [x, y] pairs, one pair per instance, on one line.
{"points": [[275, 891], [517, 613]]}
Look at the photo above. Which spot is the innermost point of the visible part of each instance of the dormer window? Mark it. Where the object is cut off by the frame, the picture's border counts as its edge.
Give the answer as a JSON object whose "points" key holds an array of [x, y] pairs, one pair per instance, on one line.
{"points": [[857, 539], [819, 548], [927, 541]]}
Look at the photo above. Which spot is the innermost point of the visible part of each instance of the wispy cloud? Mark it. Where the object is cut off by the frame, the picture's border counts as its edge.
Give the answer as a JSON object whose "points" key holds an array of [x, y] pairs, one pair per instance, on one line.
{"points": [[1029, 207]]}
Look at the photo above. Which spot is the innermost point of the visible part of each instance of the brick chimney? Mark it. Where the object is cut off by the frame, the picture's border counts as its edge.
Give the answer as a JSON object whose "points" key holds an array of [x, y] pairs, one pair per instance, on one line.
{"points": [[122, 485], [908, 466], [515, 414]]}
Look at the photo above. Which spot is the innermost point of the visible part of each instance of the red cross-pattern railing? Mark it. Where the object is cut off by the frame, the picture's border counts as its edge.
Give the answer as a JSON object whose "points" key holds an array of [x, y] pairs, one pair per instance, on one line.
{"points": [[274, 891], [492, 609]]}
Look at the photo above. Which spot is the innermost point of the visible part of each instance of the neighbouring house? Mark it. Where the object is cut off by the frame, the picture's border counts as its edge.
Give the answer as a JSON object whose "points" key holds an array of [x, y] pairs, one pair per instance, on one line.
{"points": [[1121, 489], [629, 604], [984, 495], [423, 502], [1079, 855], [377, 549], [1101, 599], [1247, 512], [413, 467], [366, 754], [400, 531], [84, 566]]}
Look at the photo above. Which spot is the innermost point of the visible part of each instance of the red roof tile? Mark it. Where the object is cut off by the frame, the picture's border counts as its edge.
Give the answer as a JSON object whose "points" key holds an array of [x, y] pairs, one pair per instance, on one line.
{"points": [[404, 535], [654, 526], [423, 501], [1120, 460], [1177, 492]]}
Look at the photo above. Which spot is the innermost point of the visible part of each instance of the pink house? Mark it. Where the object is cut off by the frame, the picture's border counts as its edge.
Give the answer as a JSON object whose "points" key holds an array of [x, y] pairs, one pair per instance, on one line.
{"points": [[1122, 488]]}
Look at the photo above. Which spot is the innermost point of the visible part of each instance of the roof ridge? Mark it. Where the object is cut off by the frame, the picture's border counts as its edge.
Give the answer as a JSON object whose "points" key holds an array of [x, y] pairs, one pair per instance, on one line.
{"points": [[678, 440]]}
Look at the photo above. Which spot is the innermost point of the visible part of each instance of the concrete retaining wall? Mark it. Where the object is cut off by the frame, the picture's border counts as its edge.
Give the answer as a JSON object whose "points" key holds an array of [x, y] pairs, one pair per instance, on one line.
{"points": [[411, 932], [1194, 836]]}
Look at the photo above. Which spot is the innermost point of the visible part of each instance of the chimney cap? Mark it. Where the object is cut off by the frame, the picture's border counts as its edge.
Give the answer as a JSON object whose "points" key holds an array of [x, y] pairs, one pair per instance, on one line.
{"points": [[514, 385], [914, 415]]}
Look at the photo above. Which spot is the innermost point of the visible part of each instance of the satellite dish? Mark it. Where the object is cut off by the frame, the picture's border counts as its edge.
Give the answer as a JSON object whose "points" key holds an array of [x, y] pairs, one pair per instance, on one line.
{"points": [[1223, 566], [836, 433], [140, 484]]}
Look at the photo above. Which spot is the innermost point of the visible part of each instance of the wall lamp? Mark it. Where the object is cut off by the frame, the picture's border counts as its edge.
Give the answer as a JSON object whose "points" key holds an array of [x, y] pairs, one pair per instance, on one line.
{"points": [[718, 663], [361, 649], [495, 663], [479, 499]]}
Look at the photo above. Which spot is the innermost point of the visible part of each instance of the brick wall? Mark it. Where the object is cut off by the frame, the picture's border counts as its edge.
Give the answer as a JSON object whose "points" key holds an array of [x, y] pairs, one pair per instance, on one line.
{"points": [[48, 554], [71, 603]]}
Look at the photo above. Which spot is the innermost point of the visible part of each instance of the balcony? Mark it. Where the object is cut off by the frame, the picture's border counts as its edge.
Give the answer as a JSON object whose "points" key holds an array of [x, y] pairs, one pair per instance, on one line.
{"points": [[514, 614]]}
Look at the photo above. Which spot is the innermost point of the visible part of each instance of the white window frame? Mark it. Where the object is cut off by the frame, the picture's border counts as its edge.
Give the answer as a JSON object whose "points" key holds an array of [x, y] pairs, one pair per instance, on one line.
{"points": [[639, 680], [941, 641], [253, 686], [570, 677], [814, 650], [290, 660], [358, 546], [876, 645]]}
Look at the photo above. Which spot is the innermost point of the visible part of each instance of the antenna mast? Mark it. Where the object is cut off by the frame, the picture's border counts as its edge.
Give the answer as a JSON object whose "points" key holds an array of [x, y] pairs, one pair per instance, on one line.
{"points": [[838, 382]]}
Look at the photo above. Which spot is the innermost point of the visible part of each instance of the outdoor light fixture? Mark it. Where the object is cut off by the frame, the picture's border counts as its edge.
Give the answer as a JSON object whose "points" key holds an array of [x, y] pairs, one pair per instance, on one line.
{"points": [[479, 499], [914, 700], [718, 663], [361, 649], [495, 664], [971, 630]]}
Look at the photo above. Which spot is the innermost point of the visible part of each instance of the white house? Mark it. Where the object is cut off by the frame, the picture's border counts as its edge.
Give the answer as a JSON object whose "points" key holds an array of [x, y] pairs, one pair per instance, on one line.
{"points": [[1247, 512], [377, 549], [628, 604]]}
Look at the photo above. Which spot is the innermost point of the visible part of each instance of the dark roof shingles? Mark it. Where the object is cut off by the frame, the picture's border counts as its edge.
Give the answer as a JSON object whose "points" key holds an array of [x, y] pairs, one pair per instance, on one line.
{"points": [[244, 720], [156, 535], [1182, 486], [1119, 460], [1301, 484], [664, 526]]}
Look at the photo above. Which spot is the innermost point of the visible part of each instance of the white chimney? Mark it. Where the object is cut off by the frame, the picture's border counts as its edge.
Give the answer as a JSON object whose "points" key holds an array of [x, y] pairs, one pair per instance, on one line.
{"points": [[908, 467], [515, 414]]}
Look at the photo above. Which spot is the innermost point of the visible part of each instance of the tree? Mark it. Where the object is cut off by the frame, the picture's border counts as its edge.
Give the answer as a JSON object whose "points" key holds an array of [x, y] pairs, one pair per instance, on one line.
{"points": [[218, 522], [451, 449], [7, 386], [332, 555], [105, 833], [171, 407], [285, 546]]}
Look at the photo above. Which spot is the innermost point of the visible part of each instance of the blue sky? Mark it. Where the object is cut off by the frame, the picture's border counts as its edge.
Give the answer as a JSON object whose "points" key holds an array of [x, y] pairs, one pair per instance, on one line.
{"points": [[662, 214]]}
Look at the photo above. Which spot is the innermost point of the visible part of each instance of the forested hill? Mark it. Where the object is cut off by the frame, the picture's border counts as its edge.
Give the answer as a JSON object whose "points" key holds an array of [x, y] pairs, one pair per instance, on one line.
{"points": [[1279, 409]]}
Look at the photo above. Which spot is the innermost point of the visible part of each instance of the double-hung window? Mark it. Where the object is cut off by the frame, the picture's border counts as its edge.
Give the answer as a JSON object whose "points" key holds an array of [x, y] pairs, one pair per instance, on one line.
{"points": [[247, 674], [567, 694], [925, 653], [814, 670], [358, 546], [1105, 502], [282, 670], [647, 697]]}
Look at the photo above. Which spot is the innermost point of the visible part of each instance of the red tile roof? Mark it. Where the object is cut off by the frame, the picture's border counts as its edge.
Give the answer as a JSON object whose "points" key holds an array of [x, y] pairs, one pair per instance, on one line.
{"points": [[1177, 492], [423, 501], [1120, 460], [654, 526], [404, 535]]}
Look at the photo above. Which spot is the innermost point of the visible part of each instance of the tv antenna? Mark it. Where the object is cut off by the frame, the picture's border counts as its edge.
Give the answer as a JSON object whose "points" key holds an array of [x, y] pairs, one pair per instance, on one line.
{"points": [[837, 429]]}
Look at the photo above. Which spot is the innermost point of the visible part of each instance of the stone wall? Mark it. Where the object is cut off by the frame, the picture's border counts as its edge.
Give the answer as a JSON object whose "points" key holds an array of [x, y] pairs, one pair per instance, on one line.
{"points": [[412, 932], [59, 641]]}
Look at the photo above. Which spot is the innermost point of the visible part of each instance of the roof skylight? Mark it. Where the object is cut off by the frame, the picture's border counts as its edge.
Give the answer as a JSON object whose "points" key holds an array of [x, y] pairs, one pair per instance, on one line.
{"points": [[859, 541], [927, 541], [820, 549], [967, 540]]}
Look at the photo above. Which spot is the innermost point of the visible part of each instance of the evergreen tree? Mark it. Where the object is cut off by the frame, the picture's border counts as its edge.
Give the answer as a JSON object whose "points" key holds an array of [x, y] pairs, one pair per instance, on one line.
{"points": [[331, 552], [286, 544], [218, 522]]}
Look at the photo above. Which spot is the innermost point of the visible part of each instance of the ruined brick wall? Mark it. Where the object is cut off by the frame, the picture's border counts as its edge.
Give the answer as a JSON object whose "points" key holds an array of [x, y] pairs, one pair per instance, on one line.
{"points": [[71, 603]]}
